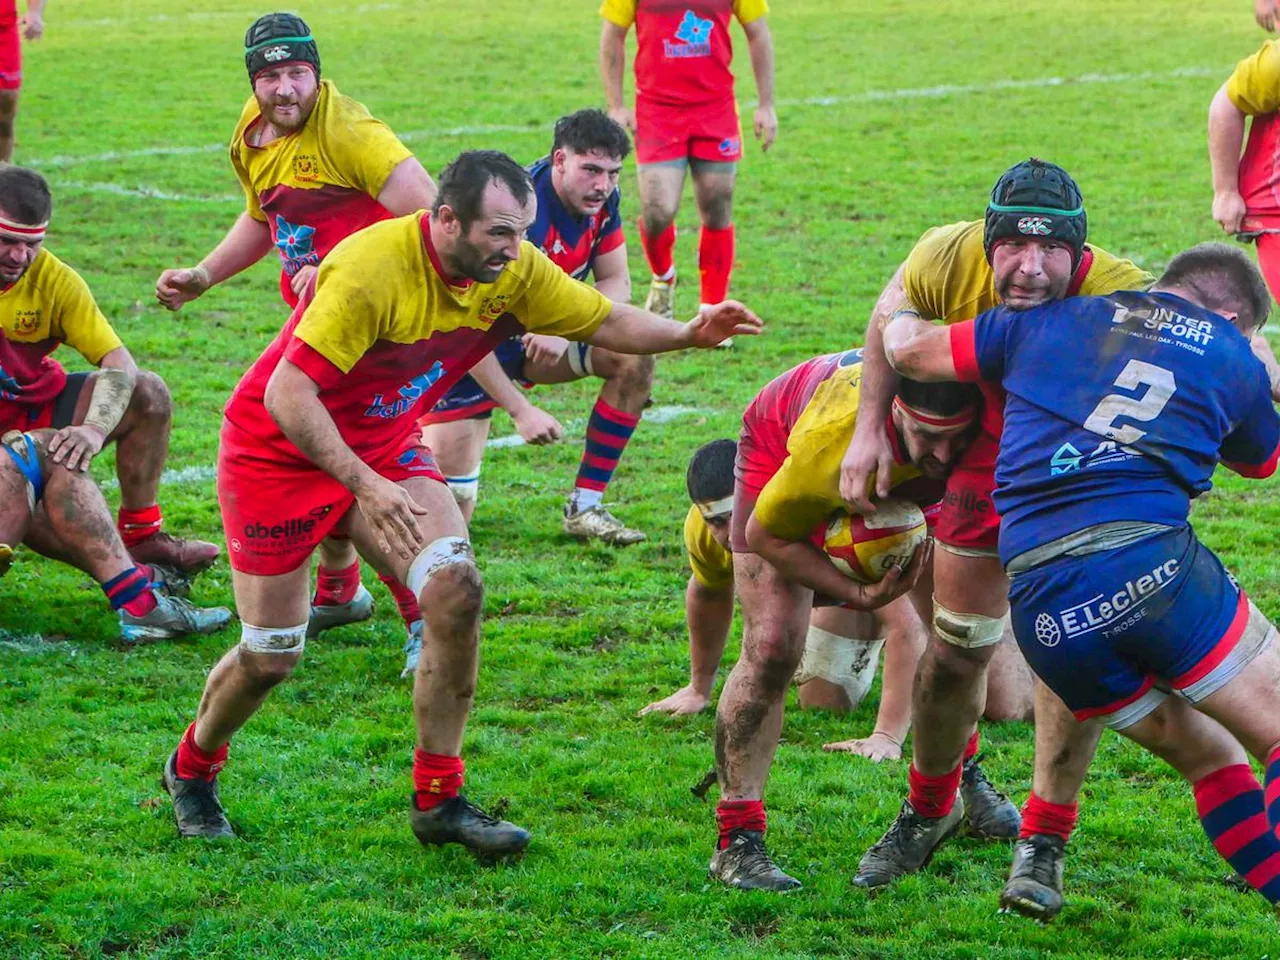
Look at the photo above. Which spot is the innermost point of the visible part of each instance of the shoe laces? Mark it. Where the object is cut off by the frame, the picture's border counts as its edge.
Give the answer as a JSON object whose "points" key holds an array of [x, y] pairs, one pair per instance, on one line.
{"points": [[1043, 862], [201, 796], [473, 810], [976, 778], [752, 855]]}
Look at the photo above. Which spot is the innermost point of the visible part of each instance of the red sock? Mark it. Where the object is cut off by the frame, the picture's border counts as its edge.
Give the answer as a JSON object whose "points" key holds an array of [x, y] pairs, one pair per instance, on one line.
{"points": [[131, 591], [136, 525], [739, 815], [660, 250], [971, 748], [436, 778], [196, 764], [933, 796], [1041, 816], [335, 587], [715, 262], [406, 602]]}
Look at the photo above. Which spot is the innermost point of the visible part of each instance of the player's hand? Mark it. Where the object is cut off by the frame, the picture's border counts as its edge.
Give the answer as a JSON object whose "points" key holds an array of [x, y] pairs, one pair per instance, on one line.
{"points": [[721, 321], [870, 454], [75, 447], [393, 516], [625, 117], [871, 596], [537, 427], [176, 287], [300, 279], [684, 701], [877, 747], [542, 348], [766, 127], [33, 25], [1264, 11], [1229, 210]]}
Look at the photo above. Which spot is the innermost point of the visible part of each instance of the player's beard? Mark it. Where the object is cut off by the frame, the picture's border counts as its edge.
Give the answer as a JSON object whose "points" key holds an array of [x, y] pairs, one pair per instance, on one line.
{"points": [[1024, 299], [474, 263], [293, 120]]}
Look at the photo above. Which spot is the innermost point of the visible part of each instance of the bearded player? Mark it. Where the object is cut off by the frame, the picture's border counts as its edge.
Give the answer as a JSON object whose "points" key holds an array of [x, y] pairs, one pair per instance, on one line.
{"points": [[60, 513], [580, 228], [1246, 187], [686, 117], [321, 435], [315, 168], [1029, 249], [787, 486], [1115, 602]]}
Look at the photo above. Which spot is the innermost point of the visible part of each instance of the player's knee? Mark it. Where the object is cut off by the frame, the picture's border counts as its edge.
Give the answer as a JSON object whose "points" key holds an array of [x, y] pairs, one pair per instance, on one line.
{"points": [[1006, 706], [774, 660], [268, 655], [658, 213], [837, 669], [8, 105], [445, 579], [820, 694], [633, 374], [945, 668], [151, 398], [717, 211]]}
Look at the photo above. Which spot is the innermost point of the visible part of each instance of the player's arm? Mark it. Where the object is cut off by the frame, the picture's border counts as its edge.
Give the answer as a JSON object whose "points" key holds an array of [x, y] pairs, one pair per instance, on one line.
{"points": [[247, 242], [33, 22], [1226, 134], [1264, 11], [918, 349], [629, 329], [75, 446], [293, 400], [534, 424], [1262, 350], [612, 275], [708, 612], [760, 46], [613, 60], [408, 188]]}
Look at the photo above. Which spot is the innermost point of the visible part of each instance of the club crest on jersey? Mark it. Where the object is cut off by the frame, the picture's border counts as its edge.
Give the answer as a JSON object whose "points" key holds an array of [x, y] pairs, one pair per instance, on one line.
{"points": [[694, 35], [305, 167], [1035, 226], [730, 145], [491, 308], [296, 245], [26, 321], [409, 394], [1047, 631], [275, 54]]}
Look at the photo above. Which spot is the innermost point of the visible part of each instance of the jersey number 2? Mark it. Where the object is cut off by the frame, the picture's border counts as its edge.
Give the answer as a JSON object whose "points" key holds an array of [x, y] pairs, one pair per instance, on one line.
{"points": [[1160, 388]]}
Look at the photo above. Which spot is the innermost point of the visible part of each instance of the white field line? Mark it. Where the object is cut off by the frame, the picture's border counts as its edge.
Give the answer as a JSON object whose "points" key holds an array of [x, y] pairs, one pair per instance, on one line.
{"points": [[197, 16], [574, 429], [869, 96]]}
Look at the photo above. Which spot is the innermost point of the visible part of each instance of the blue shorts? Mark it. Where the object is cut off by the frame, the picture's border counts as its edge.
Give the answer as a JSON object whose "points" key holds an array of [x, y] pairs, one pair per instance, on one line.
{"points": [[466, 399], [1112, 632]]}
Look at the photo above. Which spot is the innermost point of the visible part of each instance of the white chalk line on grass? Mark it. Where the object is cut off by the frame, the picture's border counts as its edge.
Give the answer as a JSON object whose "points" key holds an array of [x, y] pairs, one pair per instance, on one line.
{"points": [[574, 429], [198, 15]]}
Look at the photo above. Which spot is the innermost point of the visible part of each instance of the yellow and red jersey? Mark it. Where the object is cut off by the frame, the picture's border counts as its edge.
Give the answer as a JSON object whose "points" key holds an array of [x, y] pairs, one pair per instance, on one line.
{"points": [[683, 50], [711, 563], [50, 305], [1254, 89], [319, 185], [386, 333]]}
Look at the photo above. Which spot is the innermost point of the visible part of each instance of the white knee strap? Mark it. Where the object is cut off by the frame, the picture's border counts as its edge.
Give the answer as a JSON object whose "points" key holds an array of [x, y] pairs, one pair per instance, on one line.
{"points": [[579, 355], [465, 489], [967, 630], [847, 662], [273, 639], [437, 555]]}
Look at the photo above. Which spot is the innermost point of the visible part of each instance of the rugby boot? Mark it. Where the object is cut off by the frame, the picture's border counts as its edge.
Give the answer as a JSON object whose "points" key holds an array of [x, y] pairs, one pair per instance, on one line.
{"points": [[6, 558], [188, 556], [196, 807], [907, 846], [328, 615], [171, 581], [412, 650], [746, 864], [172, 617], [597, 523], [457, 820], [1034, 887], [662, 298], [991, 815]]}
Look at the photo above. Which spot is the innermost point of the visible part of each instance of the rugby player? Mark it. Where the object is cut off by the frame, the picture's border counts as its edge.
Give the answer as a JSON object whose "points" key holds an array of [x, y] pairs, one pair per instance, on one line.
{"points": [[1030, 248], [787, 475], [322, 433], [686, 117], [841, 648], [45, 303], [1246, 187], [579, 227], [32, 27], [60, 513], [1116, 604], [315, 167]]}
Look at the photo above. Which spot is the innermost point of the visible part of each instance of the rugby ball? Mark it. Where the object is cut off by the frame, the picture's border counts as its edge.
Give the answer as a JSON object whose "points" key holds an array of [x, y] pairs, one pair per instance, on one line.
{"points": [[865, 547]]}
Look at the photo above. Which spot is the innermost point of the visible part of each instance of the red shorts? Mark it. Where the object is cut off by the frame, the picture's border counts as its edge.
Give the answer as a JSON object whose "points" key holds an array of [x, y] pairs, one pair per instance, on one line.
{"points": [[968, 517], [665, 134], [10, 52], [762, 448], [275, 514], [57, 413]]}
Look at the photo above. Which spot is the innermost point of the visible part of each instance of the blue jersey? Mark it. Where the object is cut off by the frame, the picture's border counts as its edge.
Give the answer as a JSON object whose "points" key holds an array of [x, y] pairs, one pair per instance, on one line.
{"points": [[1118, 408], [572, 242]]}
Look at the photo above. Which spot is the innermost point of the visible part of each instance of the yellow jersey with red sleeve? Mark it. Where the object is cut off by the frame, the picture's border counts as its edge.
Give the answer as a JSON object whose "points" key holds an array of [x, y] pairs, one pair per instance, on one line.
{"points": [[386, 332], [1254, 85], [49, 305], [1254, 89], [711, 563], [319, 185], [683, 50], [798, 500], [947, 276]]}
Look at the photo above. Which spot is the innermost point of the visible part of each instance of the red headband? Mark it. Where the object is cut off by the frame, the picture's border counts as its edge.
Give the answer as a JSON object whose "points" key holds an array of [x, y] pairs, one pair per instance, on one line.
{"points": [[31, 232], [964, 418]]}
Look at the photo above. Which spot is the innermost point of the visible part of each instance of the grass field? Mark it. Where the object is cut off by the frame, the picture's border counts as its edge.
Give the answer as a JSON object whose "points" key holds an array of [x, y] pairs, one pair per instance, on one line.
{"points": [[895, 116]]}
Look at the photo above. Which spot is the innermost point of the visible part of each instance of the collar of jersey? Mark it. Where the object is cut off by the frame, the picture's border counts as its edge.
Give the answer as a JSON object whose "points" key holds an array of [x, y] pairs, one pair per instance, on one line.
{"points": [[457, 283]]}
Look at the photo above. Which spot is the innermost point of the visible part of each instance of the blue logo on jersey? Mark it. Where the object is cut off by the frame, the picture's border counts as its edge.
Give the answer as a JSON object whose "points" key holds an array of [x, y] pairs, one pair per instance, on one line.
{"points": [[410, 394], [1066, 459], [296, 245], [417, 460], [10, 389], [694, 35]]}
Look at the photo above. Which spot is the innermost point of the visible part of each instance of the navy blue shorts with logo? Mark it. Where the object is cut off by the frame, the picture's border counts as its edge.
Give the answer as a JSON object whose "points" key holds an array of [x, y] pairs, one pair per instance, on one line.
{"points": [[466, 399], [1112, 632]]}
